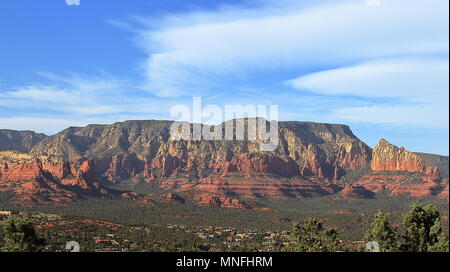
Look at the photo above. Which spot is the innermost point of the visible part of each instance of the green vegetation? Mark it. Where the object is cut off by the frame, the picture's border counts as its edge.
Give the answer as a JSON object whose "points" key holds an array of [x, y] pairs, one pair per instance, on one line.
{"points": [[421, 231], [19, 235], [352, 175], [382, 232], [352, 218], [312, 236]]}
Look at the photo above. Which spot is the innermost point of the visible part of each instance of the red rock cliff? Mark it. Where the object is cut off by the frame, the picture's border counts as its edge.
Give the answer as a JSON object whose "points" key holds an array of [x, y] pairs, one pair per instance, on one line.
{"points": [[388, 157]]}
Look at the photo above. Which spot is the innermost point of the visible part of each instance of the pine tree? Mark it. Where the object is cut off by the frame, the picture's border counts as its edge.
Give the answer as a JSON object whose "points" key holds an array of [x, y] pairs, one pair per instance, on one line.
{"points": [[382, 233], [423, 231]]}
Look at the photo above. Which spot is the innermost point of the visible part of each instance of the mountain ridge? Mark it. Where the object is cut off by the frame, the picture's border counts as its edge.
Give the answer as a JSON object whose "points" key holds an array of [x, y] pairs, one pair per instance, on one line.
{"points": [[309, 160]]}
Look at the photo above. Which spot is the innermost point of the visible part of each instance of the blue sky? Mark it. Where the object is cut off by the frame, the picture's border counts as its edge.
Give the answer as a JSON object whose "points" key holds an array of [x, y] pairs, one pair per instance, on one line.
{"points": [[382, 69]]}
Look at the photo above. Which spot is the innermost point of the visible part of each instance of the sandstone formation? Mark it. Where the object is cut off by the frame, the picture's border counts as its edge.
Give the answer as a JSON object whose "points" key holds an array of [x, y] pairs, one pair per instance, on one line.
{"points": [[417, 185], [171, 198], [355, 191], [131, 195], [310, 159], [50, 181], [145, 147], [257, 186], [208, 199], [388, 157]]}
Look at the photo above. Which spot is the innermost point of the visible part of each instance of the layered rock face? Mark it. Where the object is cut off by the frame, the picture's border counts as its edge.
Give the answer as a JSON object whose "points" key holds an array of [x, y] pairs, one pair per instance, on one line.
{"points": [[49, 181], [418, 185], [253, 186], [308, 161], [134, 147], [401, 173], [208, 199], [388, 157], [145, 149]]}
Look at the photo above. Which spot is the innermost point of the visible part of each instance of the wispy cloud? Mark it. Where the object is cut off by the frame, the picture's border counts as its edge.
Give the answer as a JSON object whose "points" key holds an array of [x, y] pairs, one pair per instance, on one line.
{"points": [[74, 100], [429, 115], [411, 79], [415, 90], [201, 50]]}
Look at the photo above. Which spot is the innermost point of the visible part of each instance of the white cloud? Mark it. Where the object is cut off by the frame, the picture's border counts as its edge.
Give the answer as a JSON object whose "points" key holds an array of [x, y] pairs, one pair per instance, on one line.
{"points": [[410, 79], [419, 87], [76, 101], [196, 50], [428, 115], [43, 94]]}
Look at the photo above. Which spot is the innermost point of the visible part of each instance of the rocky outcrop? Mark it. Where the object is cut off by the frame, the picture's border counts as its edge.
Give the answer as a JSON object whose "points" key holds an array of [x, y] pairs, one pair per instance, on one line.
{"points": [[433, 173], [207, 199], [388, 157], [444, 193], [50, 181], [171, 198], [119, 168], [355, 191], [256, 186], [319, 148], [416, 185], [401, 173], [131, 195], [433, 160], [416, 190]]}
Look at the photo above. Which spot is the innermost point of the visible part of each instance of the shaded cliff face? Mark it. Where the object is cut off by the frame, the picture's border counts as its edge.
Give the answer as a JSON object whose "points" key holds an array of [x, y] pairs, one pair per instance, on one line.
{"points": [[21, 141], [96, 141], [388, 157]]}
